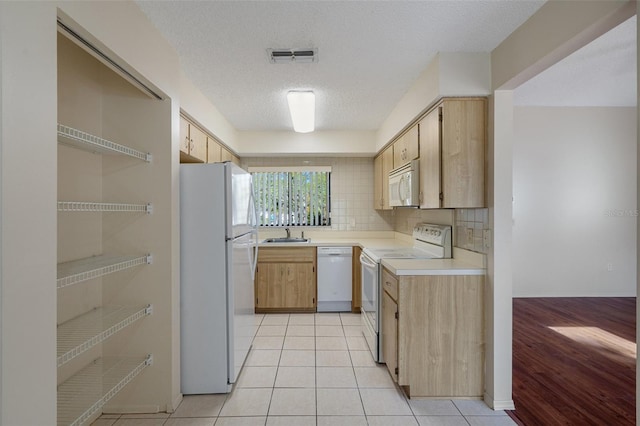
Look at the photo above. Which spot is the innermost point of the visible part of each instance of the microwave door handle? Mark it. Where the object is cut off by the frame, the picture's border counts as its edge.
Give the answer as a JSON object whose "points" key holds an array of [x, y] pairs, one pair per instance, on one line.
{"points": [[402, 189]]}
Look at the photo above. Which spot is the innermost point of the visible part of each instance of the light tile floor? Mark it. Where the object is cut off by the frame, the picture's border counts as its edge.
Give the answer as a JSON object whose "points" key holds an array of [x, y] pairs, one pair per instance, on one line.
{"points": [[314, 369]]}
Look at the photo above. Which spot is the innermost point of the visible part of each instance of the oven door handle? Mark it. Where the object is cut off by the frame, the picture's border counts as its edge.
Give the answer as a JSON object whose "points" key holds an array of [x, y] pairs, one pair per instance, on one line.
{"points": [[367, 262]]}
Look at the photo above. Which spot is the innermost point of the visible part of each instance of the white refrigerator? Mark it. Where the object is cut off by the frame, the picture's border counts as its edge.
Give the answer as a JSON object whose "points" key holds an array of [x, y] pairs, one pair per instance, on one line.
{"points": [[218, 254]]}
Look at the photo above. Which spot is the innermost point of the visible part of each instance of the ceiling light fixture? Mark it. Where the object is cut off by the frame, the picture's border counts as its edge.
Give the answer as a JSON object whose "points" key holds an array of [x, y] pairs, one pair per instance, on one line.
{"points": [[302, 106]]}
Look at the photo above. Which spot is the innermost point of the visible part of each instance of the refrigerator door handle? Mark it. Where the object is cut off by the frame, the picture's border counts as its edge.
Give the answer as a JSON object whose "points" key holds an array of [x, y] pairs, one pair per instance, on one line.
{"points": [[252, 213], [253, 255]]}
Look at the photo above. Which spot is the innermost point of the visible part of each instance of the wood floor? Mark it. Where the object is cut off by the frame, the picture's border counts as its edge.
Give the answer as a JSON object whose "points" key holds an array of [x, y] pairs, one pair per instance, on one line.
{"points": [[574, 361]]}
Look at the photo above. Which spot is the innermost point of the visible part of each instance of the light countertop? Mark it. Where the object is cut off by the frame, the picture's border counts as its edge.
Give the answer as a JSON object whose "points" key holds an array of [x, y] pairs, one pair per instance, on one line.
{"points": [[463, 263], [401, 267]]}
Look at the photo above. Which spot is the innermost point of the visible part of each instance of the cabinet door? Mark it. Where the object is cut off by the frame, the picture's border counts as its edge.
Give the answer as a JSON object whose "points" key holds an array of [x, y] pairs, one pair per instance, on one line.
{"points": [[406, 148], [378, 180], [390, 334], [198, 143], [225, 155], [387, 166], [463, 146], [441, 335], [213, 151], [412, 145], [184, 135], [270, 288], [356, 289], [299, 286], [399, 152], [430, 131]]}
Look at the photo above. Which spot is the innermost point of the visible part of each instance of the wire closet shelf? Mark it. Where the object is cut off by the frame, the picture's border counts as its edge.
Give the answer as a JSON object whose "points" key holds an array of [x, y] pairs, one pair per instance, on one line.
{"points": [[80, 270], [84, 206], [84, 394], [80, 334], [83, 140]]}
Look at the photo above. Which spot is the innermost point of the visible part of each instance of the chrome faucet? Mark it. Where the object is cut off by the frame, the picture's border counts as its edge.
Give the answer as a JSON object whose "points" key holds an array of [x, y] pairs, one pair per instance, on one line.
{"points": [[288, 232]]}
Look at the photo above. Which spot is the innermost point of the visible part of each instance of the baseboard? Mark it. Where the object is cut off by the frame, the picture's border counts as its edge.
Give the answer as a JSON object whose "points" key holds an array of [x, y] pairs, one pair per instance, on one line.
{"points": [[130, 409], [497, 405], [176, 402]]}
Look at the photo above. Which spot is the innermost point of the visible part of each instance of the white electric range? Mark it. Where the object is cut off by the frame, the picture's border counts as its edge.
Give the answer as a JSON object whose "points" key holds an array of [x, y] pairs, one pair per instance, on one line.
{"points": [[430, 242]]}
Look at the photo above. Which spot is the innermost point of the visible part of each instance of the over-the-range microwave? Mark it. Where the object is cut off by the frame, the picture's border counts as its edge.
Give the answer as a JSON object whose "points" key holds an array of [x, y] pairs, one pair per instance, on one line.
{"points": [[404, 185]]}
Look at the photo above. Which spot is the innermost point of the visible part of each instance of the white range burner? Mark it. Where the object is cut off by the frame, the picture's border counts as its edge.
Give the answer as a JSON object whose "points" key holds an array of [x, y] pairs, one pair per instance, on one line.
{"points": [[429, 242]]}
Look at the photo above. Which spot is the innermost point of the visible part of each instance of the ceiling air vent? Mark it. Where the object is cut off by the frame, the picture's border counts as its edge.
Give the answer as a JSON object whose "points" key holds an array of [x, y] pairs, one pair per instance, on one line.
{"points": [[293, 56]]}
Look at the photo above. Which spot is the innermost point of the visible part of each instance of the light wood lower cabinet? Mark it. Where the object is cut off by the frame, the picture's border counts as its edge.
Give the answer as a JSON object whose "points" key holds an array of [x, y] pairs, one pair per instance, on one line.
{"points": [[356, 287], [440, 335], [286, 279], [390, 334]]}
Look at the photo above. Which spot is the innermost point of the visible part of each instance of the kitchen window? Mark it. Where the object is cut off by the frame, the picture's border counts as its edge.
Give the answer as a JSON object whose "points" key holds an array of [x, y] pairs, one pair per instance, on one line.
{"points": [[292, 196]]}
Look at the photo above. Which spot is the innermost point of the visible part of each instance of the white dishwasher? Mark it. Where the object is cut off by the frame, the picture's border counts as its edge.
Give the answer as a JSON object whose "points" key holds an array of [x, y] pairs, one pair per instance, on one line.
{"points": [[334, 279]]}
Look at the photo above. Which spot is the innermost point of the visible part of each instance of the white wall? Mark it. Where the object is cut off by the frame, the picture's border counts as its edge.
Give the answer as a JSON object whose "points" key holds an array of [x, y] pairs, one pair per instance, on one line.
{"points": [[574, 209], [28, 219], [555, 31], [200, 109], [449, 74]]}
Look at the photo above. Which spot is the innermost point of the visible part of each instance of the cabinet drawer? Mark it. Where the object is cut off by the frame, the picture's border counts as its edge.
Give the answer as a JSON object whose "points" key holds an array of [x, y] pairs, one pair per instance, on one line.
{"points": [[287, 254], [390, 284]]}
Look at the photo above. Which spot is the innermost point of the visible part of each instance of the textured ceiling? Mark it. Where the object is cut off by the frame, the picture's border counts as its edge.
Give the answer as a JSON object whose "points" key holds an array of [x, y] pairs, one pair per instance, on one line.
{"points": [[370, 52], [603, 73]]}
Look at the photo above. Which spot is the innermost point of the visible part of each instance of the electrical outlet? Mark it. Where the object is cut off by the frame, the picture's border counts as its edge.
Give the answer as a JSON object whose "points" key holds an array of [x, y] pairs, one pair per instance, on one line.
{"points": [[470, 235], [609, 266], [486, 238]]}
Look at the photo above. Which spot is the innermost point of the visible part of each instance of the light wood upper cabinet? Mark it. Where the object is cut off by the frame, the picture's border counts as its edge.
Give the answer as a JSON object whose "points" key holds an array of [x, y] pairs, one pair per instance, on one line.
{"points": [[382, 165], [430, 159], [452, 154], [214, 151], [286, 279], [198, 143], [185, 143], [406, 148], [387, 166], [439, 348], [227, 155], [377, 182], [197, 146], [193, 143]]}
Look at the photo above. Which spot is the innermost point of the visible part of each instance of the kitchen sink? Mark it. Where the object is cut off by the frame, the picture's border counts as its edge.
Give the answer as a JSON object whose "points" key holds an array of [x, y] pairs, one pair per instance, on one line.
{"points": [[286, 240]]}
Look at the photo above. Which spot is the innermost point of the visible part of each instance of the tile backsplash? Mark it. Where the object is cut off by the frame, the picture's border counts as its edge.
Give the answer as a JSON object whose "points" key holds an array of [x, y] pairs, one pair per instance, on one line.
{"points": [[470, 225], [407, 218], [352, 202], [351, 190]]}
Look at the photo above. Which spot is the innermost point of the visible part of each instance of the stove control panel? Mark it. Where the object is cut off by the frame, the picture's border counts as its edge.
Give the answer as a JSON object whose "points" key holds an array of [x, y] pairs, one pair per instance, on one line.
{"points": [[434, 234]]}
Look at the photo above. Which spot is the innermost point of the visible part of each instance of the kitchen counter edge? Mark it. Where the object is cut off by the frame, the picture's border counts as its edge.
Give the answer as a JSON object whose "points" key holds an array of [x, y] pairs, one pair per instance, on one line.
{"points": [[402, 267]]}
